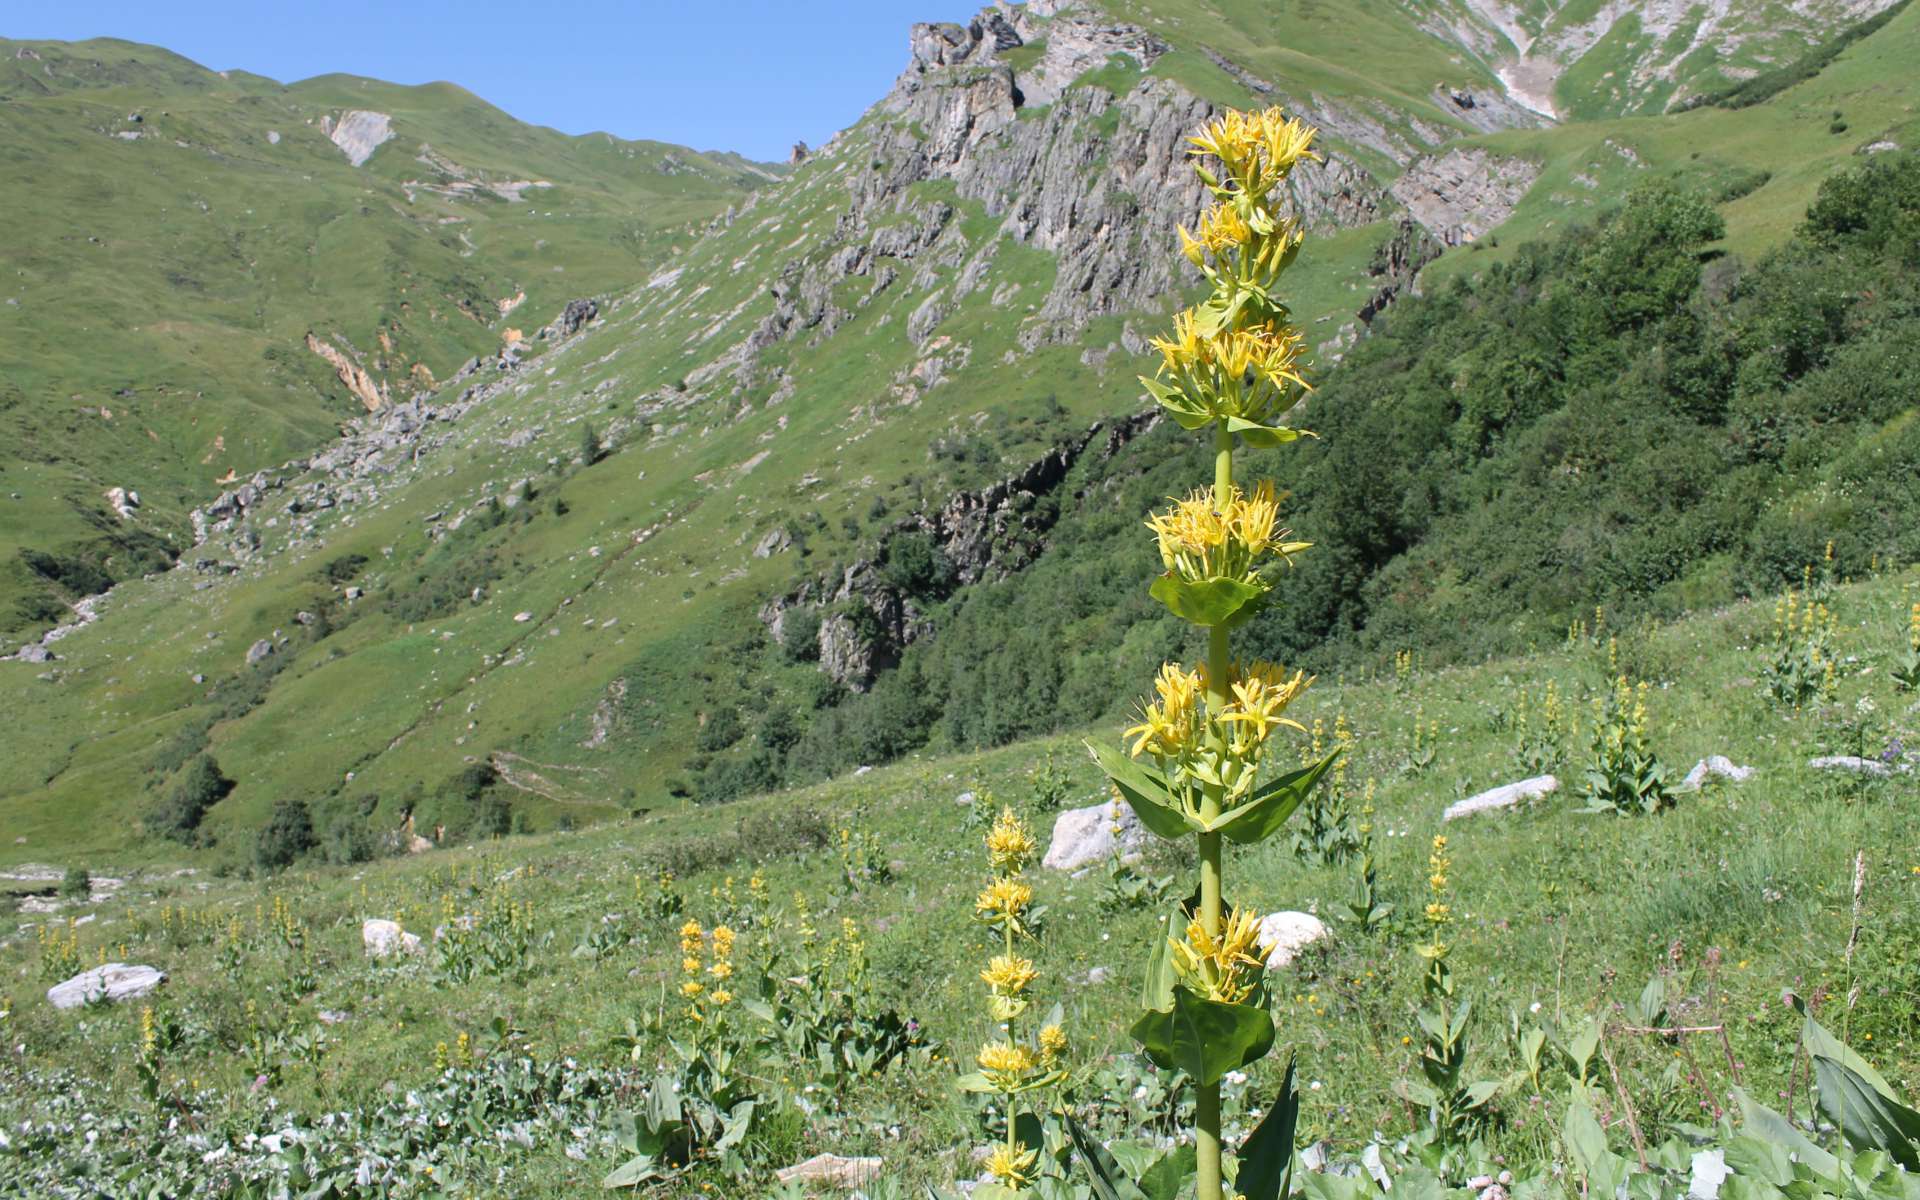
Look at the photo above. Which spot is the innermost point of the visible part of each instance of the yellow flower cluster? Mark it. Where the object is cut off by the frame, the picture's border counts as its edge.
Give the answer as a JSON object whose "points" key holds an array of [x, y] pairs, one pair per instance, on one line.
{"points": [[1256, 150], [1013, 1168], [718, 949], [1007, 978], [1269, 353], [1438, 914], [1225, 968], [1199, 541], [1177, 728], [1010, 844], [1913, 629], [1002, 902]]}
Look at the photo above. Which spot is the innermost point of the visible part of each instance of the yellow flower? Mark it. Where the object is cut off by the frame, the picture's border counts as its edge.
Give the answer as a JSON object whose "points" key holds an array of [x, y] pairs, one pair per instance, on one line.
{"points": [[1170, 727], [1005, 1064], [1010, 844], [1053, 1043], [721, 996], [1223, 968], [690, 935], [1260, 693], [1257, 150], [1003, 900], [1438, 914], [1013, 1168], [690, 965], [1008, 974], [723, 941], [692, 988], [1198, 541]]}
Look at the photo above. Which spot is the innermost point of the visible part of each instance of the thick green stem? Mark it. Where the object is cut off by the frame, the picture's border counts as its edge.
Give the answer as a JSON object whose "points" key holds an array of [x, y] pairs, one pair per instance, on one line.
{"points": [[1206, 1114], [1013, 1140]]}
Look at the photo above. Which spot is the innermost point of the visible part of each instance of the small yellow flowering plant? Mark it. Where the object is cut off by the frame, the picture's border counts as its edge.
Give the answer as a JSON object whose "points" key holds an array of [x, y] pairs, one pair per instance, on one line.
{"points": [[1202, 756], [1012, 1064]]}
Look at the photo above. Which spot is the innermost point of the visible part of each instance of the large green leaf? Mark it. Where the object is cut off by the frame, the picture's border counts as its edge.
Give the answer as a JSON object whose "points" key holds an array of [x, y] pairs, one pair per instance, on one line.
{"points": [[1202, 1037], [1108, 1180], [1164, 1179], [1156, 992], [1814, 1036], [1209, 602], [1266, 1157], [1264, 437], [1870, 1120], [1769, 1126], [1178, 404], [1270, 806], [1145, 790]]}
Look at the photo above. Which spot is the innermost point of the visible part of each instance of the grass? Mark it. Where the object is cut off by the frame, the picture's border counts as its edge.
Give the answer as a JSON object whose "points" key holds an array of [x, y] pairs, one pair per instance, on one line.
{"points": [[1739, 893]]}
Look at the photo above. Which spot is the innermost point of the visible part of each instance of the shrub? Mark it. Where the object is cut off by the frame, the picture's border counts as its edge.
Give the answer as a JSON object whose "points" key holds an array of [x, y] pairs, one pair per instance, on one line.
{"points": [[76, 884], [178, 815], [800, 634], [722, 729], [287, 835], [916, 565]]}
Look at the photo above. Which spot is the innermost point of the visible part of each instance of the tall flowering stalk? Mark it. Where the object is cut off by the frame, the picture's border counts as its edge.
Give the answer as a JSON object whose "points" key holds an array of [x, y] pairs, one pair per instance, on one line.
{"points": [[1205, 759], [1012, 1064]]}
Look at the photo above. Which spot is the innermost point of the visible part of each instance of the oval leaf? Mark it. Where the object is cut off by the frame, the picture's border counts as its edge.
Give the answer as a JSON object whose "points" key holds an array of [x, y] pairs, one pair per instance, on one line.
{"points": [[1268, 810], [1145, 791], [1204, 1038], [1266, 1157], [1209, 602]]}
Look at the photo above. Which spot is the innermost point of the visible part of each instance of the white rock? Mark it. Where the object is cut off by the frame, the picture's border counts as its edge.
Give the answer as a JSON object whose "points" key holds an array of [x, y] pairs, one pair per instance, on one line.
{"points": [[833, 1170], [1859, 766], [110, 981], [1082, 836], [1286, 934], [522, 617], [383, 938], [1711, 766], [1503, 797]]}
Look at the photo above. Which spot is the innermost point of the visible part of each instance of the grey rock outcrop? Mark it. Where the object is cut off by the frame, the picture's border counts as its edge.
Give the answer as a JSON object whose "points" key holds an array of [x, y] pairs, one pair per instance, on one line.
{"points": [[1462, 194], [109, 981], [358, 133], [259, 652], [383, 938]]}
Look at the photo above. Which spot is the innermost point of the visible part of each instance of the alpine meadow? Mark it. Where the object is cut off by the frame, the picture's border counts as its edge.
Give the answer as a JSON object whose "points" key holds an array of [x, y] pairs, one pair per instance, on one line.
{"points": [[1214, 601]]}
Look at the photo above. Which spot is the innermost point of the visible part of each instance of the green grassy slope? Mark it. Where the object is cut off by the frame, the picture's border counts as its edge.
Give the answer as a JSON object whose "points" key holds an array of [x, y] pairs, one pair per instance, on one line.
{"points": [[162, 272], [1739, 893]]}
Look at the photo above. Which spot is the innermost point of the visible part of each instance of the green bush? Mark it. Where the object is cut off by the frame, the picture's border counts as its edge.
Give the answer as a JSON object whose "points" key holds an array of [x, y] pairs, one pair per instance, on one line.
{"points": [[287, 835], [76, 884], [178, 814]]}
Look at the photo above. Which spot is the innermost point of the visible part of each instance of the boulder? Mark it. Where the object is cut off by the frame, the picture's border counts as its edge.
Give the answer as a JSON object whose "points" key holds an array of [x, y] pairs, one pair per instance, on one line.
{"points": [[259, 651], [34, 652], [384, 938], [1503, 797], [1286, 934], [109, 981], [1855, 764], [1082, 836], [1714, 766], [832, 1170]]}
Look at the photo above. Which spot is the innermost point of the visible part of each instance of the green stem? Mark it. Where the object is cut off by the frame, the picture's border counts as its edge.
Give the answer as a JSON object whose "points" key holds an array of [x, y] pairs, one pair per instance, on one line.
{"points": [[1013, 1142], [1207, 1097]]}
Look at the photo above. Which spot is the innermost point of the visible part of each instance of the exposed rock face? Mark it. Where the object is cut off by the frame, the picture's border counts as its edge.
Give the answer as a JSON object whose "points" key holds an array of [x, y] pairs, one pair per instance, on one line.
{"points": [[1461, 194], [1084, 836], [123, 501], [1395, 264], [1286, 934], [351, 373], [358, 133], [986, 534], [1496, 799], [1094, 179], [572, 319], [109, 981]]}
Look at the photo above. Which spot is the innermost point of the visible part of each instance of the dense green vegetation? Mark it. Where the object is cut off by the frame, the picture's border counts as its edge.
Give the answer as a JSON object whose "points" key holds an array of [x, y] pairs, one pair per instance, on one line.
{"points": [[1619, 418], [1770, 83]]}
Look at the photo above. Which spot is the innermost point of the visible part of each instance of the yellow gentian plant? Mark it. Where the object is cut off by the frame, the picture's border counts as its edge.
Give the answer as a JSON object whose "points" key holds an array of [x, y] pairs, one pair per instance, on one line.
{"points": [[1203, 759], [1013, 1063]]}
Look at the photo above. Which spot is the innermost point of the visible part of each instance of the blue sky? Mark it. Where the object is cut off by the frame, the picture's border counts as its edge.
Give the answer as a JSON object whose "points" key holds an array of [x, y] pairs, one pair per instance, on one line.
{"points": [[746, 75]]}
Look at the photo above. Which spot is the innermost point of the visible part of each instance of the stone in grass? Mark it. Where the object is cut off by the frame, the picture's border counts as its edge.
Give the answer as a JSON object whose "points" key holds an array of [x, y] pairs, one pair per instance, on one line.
{"points": [[1711, 767], [1083, 836], [109, 981], [1503, 797], [1855, 764], [1286, 934], [832, 1170], [383, 938]]}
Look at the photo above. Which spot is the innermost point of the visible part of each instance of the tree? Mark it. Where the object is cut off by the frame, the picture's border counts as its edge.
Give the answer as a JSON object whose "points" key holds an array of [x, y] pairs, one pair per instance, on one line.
{"points": [[200, 787], [591, 450]]}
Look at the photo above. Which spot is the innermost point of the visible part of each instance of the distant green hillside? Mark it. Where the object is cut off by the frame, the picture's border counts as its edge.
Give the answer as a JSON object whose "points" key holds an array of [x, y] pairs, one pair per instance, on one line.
{"points": [[557, 603], [174, 234]]}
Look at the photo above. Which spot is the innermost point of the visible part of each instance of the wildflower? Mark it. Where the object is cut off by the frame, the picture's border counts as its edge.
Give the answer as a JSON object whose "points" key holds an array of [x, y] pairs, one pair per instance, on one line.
{"points": [[721, 996], [1053, 1043], [1260, 693], [1009, 975], [1010, 844], [1199, 541], [1013, 1168], [1003, 900], [1170, 727], [1256, 150], [1224, 968], [1005, 1064]]}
